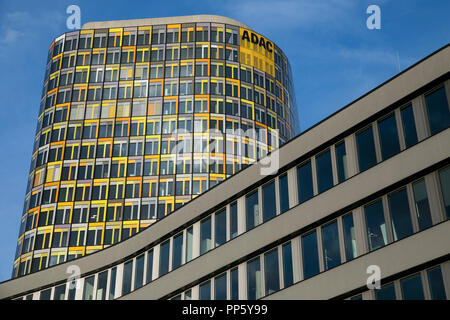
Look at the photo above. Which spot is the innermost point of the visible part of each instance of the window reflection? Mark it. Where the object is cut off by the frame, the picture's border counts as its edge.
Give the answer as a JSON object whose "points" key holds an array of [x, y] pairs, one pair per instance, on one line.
{"points": [[366, 149], [376, 226]]}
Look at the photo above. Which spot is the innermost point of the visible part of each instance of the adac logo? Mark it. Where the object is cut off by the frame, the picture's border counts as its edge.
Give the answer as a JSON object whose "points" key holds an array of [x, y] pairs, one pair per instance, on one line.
{"points": [[255, 39]]}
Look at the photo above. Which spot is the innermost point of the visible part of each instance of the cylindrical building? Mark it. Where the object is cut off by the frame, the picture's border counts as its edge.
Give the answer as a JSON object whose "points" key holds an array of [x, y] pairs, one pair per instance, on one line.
{"points": [[138, 117]]}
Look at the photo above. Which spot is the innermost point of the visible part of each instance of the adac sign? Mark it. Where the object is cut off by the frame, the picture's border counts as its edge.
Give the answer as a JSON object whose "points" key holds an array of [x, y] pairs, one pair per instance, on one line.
{"points": [[257, 40]]}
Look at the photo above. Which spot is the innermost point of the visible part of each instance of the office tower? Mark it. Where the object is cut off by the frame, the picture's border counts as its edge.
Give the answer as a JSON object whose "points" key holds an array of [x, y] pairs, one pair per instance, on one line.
{"points": [[137, 117]]}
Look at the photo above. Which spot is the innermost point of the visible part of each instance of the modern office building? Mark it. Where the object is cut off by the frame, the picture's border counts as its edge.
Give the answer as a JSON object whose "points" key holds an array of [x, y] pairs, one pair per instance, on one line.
{"points": [[137, 117], [366, 189]]}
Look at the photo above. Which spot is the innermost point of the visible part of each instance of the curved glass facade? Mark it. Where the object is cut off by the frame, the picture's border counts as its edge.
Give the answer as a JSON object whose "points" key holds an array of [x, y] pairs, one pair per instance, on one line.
{"points": [[136, 121]]}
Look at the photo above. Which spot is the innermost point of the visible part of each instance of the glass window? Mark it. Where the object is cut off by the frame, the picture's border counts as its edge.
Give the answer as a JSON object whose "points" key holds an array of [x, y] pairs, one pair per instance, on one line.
{"points": [[284, 193], [341, 161], [376, 225], [102, 281], [164, 258], [205, 291], [46, 294], [288, 275], [72, 290], [366, 149], [324, 171], [189, 241], [387, 129], [349, 237], [269, 201], [438, 112], [233, 220], [409, 126], [188, 295], [310, 255], [435, 282], [444, 177], [305, 183], [254, 279], [234, 284], [205, 236], [252, 210], [88, 291], [400, 214], [177, 251], [412, 288], [139, 272], [330, 245], [149, 266], [112, 283], [421, 204], [220, 223], [271, 272], [127, 274], [60, 292], [386, 292], [220, 287]]}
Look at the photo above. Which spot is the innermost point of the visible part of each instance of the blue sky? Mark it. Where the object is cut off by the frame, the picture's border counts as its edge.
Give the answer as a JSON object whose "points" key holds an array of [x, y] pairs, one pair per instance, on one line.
{"points": [[334, 57]]}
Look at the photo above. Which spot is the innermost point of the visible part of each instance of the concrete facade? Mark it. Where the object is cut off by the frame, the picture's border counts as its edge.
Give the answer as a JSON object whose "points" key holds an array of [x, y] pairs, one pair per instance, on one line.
{"points": [[422, 249]]}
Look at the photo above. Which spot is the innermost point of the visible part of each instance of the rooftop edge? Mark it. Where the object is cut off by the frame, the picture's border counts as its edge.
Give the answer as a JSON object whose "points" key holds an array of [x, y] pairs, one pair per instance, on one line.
{"points": [[164, 20]]}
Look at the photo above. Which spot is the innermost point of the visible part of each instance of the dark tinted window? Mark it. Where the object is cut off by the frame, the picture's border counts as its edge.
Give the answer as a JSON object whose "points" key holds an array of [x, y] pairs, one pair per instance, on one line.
{"points": [[385, 293], [271, 272], [287, 265], [436, 284], [412, 288], [284, 193], [205, 236], [139, 272], [127, 273], [310, 255], [376, 226], [233, 220], [400, 214], [164, 258], [366, 149], [409, 126], [324, 172], [234, 283], [220, 227], [387, 129], [253, 279], [177, 251], [330, 245], [422, 206], [220, 287], [252, 210], [438, 112], [205, 291], [341, 162], [149, 266], [349, 237], [305, 183], [45, 294], [269, 202], [444, 177]]}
